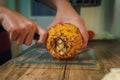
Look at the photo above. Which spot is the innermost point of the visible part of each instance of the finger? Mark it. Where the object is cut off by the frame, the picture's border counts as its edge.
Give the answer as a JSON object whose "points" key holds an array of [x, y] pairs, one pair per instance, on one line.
{"points": [[55, 21], [31, 29], [83, 32], [21, 38], [43, 35], [29, 38], [85, 38], [14, 35]]}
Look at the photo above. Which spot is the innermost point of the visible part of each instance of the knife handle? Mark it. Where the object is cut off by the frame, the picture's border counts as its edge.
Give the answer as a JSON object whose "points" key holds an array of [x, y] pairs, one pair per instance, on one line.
{"points": [[36, 36]]}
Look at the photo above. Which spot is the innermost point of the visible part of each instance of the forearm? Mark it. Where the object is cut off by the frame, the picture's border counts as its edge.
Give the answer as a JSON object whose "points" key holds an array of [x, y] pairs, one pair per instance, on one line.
{"points": [[4, 11], [1, 14], [55, 4], [61, 6]]}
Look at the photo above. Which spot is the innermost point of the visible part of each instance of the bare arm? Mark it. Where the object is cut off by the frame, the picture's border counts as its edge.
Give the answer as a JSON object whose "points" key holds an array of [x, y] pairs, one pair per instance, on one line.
{"points": [[19, 27], [55, 4], [52, 3]]}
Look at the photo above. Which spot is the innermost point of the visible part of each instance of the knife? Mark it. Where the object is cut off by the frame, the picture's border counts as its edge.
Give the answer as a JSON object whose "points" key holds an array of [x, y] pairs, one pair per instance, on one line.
{"points": [[36, 36]]}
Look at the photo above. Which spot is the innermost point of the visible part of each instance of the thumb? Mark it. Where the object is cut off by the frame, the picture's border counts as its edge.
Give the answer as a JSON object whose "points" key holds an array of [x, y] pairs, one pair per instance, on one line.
{"points": [[55, 21], [43, 35]]}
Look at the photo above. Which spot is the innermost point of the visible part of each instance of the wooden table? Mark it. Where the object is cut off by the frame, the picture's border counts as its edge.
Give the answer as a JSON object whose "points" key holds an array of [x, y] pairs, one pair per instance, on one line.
{"points": [[107, 54]]}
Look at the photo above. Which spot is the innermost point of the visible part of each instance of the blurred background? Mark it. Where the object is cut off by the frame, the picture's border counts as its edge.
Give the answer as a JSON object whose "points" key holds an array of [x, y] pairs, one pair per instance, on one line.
{"points": [[101, 16]]}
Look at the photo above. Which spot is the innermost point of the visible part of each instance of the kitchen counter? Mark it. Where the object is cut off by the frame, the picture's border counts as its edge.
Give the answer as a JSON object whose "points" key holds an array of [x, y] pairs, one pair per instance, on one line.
{"points": [[107, 55]]}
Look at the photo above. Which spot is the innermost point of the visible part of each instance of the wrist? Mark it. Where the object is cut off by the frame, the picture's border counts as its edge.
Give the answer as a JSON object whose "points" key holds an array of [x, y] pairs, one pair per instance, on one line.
{"points": [[61, 4], [2, 13], [65, 8]]}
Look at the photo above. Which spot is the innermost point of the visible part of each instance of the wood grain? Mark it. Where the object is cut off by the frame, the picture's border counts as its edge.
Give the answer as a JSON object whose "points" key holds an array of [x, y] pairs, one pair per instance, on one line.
{"points": [[107, 54]]}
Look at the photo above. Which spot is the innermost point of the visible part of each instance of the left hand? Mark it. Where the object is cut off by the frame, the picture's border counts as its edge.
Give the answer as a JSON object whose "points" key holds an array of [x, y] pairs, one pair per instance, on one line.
{"points": [[66, 14]]}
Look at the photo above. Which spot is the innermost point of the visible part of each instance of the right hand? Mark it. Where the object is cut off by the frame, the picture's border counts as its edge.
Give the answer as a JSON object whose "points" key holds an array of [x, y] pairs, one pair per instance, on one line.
{"points": [[20, 28]]}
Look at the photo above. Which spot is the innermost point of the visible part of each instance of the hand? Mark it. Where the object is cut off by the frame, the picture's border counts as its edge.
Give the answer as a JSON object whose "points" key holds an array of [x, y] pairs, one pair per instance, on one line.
{"points": [[66, 14], [20, 28]]}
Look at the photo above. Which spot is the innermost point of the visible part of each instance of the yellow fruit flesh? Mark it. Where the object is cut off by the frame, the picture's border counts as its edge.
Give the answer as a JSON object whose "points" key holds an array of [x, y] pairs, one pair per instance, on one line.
{"points": [[64, 41]]}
